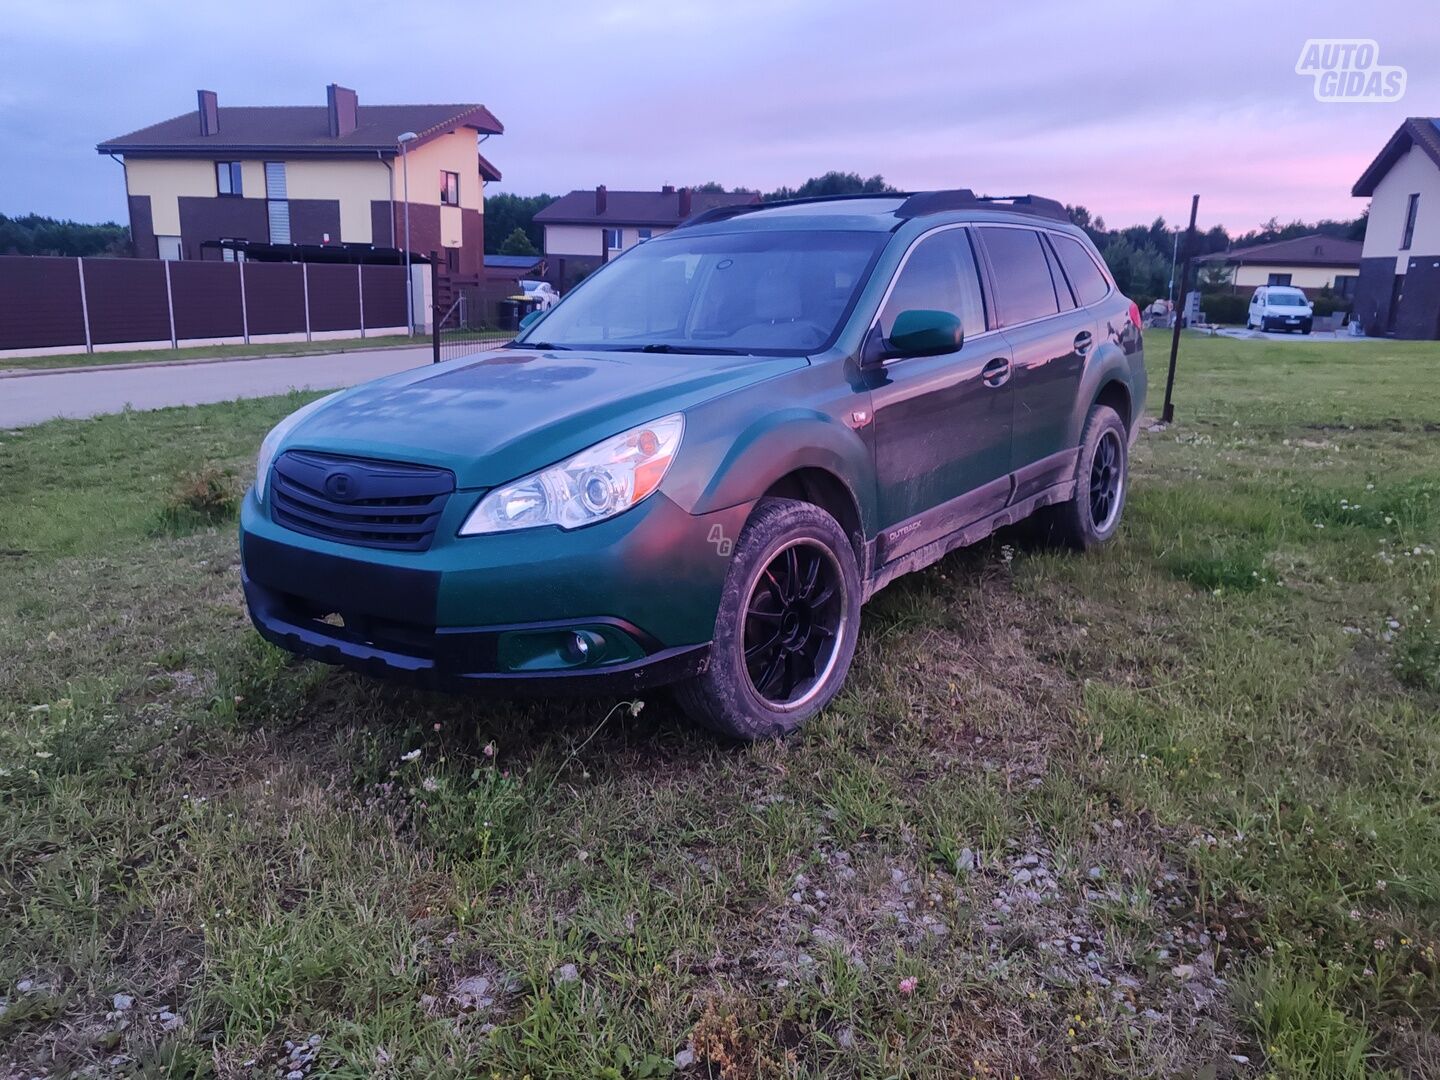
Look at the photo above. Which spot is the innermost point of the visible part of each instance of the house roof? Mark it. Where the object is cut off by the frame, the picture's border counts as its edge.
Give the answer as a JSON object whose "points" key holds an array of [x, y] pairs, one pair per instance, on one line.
{"points": [[1316, 249], [302, 129], [514, 262], [635, 207], [488, 171], [1421, 131]]}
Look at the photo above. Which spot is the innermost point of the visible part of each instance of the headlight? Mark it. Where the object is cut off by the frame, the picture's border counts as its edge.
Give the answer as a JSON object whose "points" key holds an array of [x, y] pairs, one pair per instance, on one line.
{"points": [[595, 484], [272, 441]]}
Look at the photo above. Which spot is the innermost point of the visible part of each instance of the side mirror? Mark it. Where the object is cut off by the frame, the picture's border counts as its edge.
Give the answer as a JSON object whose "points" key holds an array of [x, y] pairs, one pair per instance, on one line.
{"points": [[530, 319], [918, 333]]}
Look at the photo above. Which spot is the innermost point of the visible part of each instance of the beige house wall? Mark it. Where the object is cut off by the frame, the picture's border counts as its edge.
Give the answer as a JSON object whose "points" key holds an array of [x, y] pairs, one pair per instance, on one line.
{"points": [[356, 183], [165, 180], [1301, 277], [1415, 173]]}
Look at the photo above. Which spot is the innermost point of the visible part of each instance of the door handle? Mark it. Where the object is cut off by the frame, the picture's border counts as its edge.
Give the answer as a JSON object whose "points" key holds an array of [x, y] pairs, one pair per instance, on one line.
{"points": [[996, 372], [1083, 340]]}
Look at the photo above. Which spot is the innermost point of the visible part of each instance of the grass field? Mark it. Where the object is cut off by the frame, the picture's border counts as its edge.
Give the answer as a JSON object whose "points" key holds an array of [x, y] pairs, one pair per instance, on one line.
{"points": [[1170, 808], [220, 352]]}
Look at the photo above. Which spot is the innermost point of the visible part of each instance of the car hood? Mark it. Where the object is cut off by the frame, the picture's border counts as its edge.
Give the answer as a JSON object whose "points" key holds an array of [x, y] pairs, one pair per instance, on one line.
{"points": [[496, 416]]}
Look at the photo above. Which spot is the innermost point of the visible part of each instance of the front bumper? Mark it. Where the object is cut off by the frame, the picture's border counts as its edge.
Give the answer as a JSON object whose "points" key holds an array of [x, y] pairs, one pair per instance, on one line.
{"points": [[483, 612]]}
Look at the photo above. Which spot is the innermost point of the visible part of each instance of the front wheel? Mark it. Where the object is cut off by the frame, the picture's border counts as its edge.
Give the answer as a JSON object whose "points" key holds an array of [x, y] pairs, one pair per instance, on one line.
{"points": [[1101, 479], [787, 625]]}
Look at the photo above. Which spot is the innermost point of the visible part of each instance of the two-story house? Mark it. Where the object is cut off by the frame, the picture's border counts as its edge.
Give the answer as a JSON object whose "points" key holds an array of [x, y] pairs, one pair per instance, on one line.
{"points": [[302, 174], [1399, 288], [586, 228]]}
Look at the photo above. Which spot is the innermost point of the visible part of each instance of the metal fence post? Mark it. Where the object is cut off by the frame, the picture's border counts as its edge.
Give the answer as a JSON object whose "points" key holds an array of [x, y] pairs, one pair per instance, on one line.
{"points": [[84, 306], [170, 303], [305, 285], [245, 306], [360, 282], [434, 306]]}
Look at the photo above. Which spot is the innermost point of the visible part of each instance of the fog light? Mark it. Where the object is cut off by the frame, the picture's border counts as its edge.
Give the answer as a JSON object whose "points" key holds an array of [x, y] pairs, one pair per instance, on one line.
{"points": [[585, 646]]}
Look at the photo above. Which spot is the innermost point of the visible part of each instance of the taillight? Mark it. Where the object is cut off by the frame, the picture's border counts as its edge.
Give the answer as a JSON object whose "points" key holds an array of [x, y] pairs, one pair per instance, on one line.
{"points": [[1135, 315]]}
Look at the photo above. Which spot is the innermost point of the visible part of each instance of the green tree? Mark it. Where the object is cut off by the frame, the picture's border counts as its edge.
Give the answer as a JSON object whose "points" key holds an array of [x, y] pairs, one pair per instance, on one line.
{"points": [[833, 183], [32, 234], [506, 213], [517, 243]]}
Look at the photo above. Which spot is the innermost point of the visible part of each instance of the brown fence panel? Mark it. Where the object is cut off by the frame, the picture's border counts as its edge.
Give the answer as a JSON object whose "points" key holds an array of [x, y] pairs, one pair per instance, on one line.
{"points": [[39, 302], [275, 297], [385, 296], [334, 297], [127, 300], [207, 299]]}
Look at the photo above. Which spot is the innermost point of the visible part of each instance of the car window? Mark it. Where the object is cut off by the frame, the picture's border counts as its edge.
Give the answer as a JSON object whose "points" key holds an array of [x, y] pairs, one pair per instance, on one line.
{"points": [[1023, 289], [1287, 299], [1258, 298], [1085, 277], [776, 291], [1063, 292], [939, 275]]}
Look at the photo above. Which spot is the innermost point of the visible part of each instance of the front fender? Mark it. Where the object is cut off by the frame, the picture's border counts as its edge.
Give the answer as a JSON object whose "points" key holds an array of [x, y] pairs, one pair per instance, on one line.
{"points": [[770, 446]]}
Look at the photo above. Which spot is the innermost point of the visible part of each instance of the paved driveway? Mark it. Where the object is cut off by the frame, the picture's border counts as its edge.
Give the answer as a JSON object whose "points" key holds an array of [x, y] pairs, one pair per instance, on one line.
{"points": [[33, 399]]}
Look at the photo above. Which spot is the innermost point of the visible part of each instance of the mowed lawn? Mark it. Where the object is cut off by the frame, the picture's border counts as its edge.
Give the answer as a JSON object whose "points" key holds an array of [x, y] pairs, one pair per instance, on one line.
{"points": [[1170, 808]]}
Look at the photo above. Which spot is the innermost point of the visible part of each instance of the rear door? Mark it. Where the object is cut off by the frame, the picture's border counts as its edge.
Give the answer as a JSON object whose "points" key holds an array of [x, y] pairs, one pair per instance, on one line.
{"points": [[942, 423], [1049, 337]]}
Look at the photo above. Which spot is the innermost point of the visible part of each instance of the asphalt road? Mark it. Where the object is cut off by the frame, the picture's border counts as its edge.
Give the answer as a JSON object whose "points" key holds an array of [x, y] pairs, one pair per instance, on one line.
{"points": [[33, 399]]}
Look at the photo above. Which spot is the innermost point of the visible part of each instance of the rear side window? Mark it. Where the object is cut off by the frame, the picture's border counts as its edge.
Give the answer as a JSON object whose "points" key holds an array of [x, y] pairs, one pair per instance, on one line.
{"points": [[1023, 289], [1085, 277], [939, 275]]}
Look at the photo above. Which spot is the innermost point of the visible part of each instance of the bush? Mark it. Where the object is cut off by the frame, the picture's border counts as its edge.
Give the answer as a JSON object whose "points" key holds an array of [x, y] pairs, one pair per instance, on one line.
{"points": [[205, 496], [1225, 308]]}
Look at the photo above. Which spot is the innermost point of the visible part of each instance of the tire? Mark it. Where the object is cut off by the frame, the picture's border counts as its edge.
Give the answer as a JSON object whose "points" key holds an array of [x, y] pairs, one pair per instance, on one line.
{"points": [[760, 591], [1077, 524]]}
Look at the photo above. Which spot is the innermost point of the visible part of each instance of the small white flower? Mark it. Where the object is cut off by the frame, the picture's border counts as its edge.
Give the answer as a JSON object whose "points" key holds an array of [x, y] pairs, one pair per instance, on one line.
{"points": [[413, 755], [430, 784]]}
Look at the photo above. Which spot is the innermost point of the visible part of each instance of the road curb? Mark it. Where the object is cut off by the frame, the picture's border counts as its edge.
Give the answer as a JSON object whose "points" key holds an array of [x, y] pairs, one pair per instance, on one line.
{"points": [[22, 373]]}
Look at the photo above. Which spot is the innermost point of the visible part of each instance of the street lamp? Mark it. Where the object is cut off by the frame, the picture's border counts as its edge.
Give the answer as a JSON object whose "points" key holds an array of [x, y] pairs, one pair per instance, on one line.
{"points": [[405, 138]]}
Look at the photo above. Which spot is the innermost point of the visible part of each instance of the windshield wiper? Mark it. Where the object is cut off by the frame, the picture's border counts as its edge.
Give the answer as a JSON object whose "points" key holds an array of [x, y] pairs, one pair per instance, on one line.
{"points": [[536, 345], [664, 347]]}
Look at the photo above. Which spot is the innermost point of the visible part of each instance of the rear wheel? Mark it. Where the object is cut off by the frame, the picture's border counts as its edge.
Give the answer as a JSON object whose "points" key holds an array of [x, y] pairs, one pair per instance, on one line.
{"points": [[786, 629], [1101, 480]]}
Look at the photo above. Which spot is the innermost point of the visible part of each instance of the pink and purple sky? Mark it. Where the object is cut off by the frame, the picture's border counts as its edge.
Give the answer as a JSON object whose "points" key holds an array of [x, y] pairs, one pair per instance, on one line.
{"points": [[1126, 108]]}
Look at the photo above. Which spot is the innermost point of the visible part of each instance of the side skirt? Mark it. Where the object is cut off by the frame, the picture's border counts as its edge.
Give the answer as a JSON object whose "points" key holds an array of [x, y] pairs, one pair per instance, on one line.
{"points": [[971, 534]]}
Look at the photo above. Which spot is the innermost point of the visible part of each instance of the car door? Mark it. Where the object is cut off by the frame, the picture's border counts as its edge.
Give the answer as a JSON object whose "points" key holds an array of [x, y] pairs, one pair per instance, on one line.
{"points": [[1049, 338], [942, 423], [1257, 307]]}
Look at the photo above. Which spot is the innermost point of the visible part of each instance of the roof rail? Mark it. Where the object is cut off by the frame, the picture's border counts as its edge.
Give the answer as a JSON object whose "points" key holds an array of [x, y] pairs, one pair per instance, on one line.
{"points": [[934, 202], [722, 213], [916, 204]]}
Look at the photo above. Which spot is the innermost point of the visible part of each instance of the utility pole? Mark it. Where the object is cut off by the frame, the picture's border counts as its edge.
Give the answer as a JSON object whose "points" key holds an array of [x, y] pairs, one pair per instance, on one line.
{"points": [[405, 138], [1167, 415]]}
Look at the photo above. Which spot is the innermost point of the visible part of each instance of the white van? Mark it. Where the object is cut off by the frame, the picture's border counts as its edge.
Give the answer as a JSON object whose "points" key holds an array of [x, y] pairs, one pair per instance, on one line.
{"points": [[1280, 307]]}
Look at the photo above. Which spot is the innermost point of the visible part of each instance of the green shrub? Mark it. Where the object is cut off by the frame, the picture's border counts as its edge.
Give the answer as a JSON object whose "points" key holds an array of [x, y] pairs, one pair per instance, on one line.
{"points": [[1225, 308]]}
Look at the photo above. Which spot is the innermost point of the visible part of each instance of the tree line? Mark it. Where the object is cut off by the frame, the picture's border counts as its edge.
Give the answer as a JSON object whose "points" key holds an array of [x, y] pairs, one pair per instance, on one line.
{"points": [[33, 234], [1139, 256]]}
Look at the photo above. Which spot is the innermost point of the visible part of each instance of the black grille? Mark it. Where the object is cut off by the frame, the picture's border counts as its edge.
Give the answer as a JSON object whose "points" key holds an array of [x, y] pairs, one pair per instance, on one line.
{"points": [[377, 504]]}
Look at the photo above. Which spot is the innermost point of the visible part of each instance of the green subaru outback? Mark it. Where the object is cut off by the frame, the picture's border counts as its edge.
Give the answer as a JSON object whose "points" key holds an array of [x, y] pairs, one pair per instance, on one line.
{"points": [[697, 467]]}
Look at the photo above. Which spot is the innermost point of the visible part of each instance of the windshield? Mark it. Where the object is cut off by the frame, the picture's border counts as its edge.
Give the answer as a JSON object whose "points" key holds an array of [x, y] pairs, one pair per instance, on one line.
{"points": [[784, 292], [1286, 299]]}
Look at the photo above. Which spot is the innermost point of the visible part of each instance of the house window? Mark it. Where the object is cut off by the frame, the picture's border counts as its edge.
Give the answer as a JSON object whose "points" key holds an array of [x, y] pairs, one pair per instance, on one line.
{"points": [[613, 239], [168, 248], [1278, 279], [227, 178], [1411, 209], [278, 209], [452, 257], [450, 189], [229, 255], [641, 235], [1345, 285]]}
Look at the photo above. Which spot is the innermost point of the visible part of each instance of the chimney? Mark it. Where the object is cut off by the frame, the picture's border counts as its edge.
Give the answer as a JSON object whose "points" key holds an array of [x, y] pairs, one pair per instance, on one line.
{"points": [[684, 203], [600, 199], [209, 112], [668, 189], [343, 106]]}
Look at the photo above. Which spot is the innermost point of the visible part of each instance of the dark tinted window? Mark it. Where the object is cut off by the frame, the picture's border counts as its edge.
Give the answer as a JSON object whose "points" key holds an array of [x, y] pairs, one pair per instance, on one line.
{"points": [[1023, 289], [939, 276], [1062, 290], [1085, 277]]}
